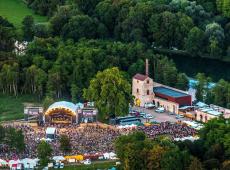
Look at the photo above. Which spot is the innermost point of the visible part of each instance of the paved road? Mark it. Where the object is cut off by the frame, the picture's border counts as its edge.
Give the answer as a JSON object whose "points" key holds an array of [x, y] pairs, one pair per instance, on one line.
{"points": [[159, 117]]}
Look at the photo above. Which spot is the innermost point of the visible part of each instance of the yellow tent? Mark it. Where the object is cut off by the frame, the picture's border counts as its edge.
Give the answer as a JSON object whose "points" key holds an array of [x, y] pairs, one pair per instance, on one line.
{"points": [[79, 157], [147, 124]]}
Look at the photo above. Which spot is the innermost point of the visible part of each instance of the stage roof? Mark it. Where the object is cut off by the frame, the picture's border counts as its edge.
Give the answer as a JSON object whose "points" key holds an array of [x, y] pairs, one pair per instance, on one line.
{"points": [[64, 104], [168, 92]]}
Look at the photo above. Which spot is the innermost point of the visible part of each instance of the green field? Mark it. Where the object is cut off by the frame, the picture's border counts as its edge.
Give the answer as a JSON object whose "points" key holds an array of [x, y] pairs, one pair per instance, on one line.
{"points": [[93, 166], [16, 10], [12, 108]]}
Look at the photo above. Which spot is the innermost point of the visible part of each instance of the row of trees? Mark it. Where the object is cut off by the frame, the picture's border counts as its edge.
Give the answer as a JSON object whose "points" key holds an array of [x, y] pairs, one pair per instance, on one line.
{"points": [[211, 151], [218, 94], [181, 24], [62, 69]]}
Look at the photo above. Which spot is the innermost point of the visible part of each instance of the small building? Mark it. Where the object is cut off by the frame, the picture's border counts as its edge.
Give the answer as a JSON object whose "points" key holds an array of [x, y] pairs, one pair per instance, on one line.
{"points": [[51, 133], [206, 114]]}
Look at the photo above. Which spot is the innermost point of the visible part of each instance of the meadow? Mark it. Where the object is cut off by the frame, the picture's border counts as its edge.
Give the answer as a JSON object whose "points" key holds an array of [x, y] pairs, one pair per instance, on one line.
{"points": [[12, 108], [94, 166], [16, 10]]}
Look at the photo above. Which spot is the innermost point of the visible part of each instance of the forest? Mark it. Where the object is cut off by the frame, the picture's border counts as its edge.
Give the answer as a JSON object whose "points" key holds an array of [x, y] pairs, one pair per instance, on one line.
{"points": [[84, 37]]}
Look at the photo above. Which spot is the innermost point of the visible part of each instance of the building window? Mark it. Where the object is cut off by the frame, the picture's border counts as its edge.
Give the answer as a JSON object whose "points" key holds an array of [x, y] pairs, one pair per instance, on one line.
{"points": [[137, 90], [147, 92], [206, 118], [147, 81], [201, 118]]}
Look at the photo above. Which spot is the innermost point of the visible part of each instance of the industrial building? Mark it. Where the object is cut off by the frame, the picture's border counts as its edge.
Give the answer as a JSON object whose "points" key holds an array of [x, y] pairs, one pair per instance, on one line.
{"points": [[145, 90]]}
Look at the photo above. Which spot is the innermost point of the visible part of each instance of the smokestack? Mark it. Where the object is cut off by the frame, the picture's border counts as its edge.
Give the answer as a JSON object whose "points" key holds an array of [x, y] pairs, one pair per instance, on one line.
{"points": [[146, 67]]}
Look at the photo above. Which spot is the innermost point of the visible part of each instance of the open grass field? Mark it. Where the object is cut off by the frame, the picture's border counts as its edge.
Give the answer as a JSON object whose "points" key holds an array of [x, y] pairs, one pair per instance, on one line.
{"points": [[16, 10], [93, 166], [12, 108]]}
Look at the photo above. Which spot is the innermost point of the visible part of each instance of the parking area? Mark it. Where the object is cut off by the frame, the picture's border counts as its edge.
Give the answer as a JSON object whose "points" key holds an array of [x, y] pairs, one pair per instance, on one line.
{"points": [[159, 117]]}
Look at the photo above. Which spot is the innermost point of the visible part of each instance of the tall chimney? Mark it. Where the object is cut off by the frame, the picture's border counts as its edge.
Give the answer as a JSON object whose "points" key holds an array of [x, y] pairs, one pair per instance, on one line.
{"points": [[146, 67]]}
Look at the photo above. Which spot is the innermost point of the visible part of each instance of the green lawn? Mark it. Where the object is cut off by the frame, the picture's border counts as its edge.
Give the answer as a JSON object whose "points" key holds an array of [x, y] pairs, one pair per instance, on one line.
{"points": [[93, 166], [12, 108], [16, 10]]}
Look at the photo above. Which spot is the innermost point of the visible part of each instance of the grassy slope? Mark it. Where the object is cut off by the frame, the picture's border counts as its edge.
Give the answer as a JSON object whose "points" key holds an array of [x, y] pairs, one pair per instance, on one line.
{"points": [[12, 108], [16, 10]]}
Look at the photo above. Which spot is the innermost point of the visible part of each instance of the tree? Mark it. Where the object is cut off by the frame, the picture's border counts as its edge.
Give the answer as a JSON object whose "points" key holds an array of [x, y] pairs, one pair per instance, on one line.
{"points": [[78, 27], [182, 81], [224, 7], [175, 159], [2, 134], [133, 150], [75, 91], [8, 36], [65, 145], [47, 102], [162, 26], [214, 48], [14, 139], [200, 87], [110, 92], [219, 93], [194, 41], [155, 157], [44, 152], [28, 28], [184, 25], [195, 164]]}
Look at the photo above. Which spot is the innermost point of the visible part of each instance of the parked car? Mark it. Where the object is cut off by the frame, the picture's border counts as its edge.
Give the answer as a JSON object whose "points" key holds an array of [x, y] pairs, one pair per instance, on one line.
{"points": [[134, 113], [171, 113], [179, 116], [160, 110], [142, 114], [61, 165], [148, 116], [149, 105], [56, 165]]}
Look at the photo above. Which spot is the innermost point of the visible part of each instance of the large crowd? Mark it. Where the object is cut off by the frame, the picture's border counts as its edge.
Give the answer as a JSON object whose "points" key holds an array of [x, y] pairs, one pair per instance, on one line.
{"points": [[173, 130], [89, 139]]}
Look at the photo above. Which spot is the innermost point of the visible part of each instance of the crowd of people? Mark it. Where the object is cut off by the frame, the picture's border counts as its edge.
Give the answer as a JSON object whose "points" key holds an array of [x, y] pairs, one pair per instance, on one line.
{"points": [[173, 130], [90, 138]]}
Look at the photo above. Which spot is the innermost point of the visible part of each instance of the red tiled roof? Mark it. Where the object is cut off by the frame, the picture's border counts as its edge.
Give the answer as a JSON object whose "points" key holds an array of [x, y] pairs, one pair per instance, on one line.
{"points": [[140, 77]]}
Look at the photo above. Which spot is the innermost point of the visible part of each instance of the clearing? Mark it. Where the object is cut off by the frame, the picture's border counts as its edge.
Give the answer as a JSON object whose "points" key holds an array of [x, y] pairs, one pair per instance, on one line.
{"points": [[16, 10], [12, 108]]}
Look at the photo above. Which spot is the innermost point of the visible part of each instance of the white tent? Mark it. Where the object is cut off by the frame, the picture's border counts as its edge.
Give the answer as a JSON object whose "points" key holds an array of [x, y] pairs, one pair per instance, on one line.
{"points": [[3, 162], [58, 158], [50, 133], [29, 163], [106, 155]]}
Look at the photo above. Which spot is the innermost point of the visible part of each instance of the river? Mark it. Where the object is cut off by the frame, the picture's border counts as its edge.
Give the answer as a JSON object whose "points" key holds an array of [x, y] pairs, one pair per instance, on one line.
{"points": [[192, 65]]}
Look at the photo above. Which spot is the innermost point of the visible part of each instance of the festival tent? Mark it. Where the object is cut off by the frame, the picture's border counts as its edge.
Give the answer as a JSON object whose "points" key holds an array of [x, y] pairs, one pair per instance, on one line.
{"points": [[58, 158], [112, 155], [79, 157], [106, 155], [29, 163], [3, 162]]}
